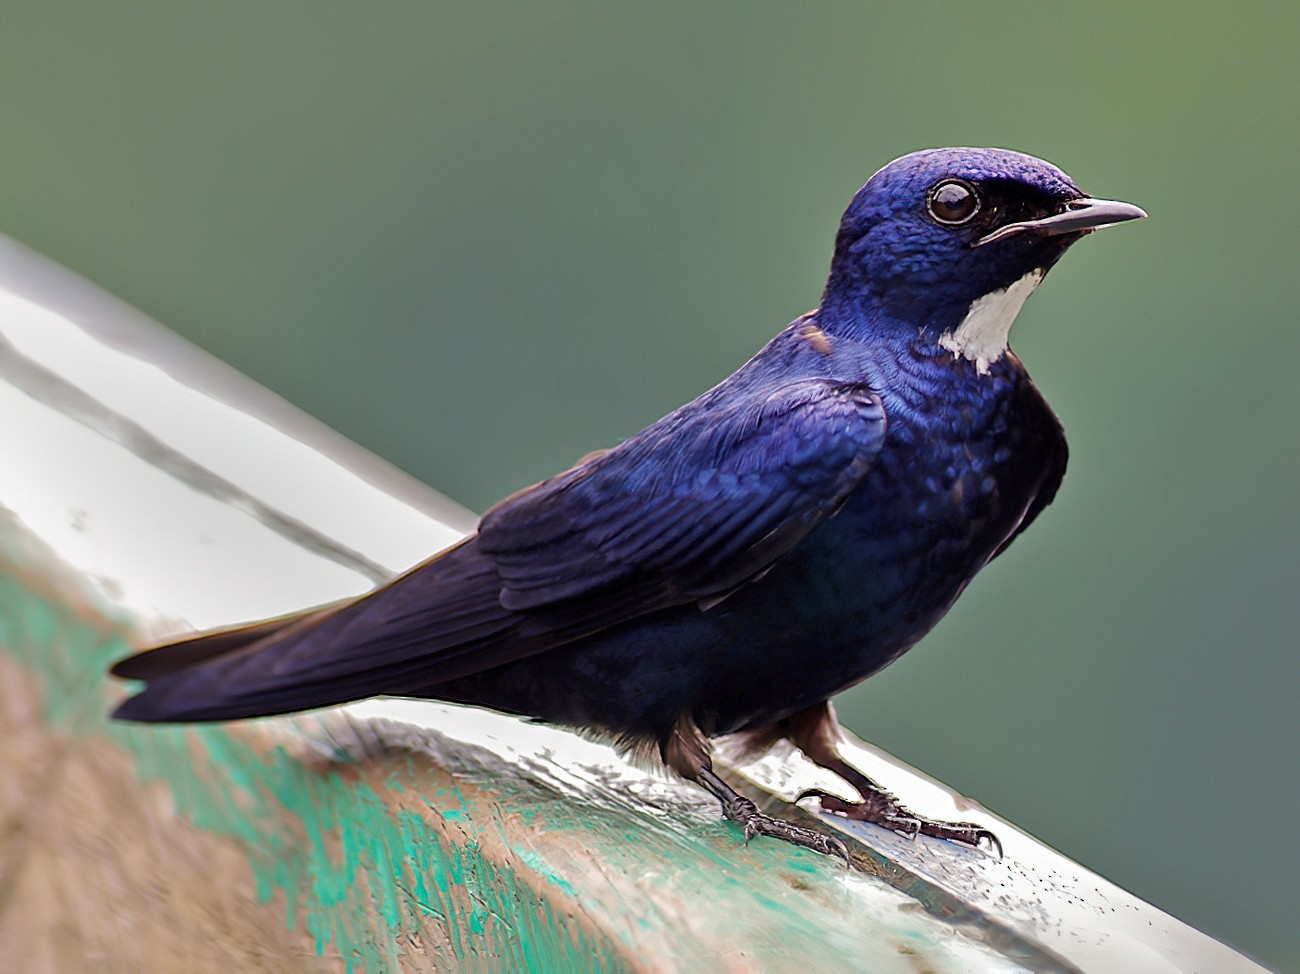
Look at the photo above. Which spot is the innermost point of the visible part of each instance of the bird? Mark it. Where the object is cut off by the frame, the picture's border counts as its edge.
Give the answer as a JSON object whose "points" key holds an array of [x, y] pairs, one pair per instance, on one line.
{"points": [[729, 569]]}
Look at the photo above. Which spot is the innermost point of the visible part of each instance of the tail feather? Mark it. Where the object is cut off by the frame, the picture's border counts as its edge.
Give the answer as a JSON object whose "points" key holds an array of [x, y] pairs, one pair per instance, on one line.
{"points": [[158, 661], [438, 622]]}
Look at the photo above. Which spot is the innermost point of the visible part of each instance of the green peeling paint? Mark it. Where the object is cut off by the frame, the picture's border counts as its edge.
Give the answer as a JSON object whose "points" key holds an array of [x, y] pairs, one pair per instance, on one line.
{"points": [[357, 876]]}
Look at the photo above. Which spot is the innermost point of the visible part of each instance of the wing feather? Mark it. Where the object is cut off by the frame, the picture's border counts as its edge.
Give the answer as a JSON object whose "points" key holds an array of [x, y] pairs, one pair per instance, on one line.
{"points": [[686, 511], [697, 494]]}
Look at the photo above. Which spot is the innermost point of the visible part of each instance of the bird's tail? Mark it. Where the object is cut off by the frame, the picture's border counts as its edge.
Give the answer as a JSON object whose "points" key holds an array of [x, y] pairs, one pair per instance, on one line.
{"points": [[440, 621]]}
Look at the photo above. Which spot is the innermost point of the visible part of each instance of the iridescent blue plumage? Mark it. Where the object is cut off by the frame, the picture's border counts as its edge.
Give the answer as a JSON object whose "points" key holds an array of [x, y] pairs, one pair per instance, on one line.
{"points": [[736, 564]]}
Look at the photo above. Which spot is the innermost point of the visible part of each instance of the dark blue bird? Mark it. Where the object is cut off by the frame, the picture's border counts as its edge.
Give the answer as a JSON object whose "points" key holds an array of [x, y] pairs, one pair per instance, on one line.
{"points": [[733, 566]]}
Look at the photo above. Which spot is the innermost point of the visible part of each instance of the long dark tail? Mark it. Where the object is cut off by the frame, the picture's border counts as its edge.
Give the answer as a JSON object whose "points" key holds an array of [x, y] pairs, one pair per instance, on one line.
{"points": [[440, 621]]}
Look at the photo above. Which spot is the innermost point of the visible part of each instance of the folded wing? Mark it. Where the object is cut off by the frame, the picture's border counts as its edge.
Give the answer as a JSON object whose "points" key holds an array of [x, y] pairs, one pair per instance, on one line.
{"points": [[686, 511]]}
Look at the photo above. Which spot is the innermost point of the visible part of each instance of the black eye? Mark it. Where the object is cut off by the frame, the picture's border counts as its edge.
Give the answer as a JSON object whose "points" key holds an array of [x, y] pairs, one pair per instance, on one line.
{"points": [[953, 202]]}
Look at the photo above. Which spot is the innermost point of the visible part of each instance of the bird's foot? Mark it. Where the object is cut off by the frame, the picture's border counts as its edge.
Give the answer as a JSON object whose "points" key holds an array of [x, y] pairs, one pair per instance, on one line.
{"points": [[745, 813], [883, 809], [753, 822]]}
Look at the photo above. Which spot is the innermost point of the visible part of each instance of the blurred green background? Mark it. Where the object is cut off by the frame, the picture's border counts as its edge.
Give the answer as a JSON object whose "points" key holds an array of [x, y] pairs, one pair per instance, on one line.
{"points": [[485, 239]]}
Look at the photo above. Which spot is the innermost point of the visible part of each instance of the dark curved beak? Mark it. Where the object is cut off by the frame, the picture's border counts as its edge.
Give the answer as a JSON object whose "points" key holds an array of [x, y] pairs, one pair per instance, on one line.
{"points": [[1080, 215]]}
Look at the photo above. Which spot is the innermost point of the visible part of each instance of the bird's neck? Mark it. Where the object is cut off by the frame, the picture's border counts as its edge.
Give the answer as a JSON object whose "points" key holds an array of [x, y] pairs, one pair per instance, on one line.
{"points": [[976, 331]]}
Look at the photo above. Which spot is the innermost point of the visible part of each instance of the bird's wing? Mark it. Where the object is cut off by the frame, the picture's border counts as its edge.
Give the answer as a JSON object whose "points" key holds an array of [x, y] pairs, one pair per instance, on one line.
{"points": [[689, 509]]}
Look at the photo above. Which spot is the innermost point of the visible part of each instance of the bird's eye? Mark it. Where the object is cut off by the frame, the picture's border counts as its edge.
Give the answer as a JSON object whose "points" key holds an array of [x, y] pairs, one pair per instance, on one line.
{"points": [[953, 202]]}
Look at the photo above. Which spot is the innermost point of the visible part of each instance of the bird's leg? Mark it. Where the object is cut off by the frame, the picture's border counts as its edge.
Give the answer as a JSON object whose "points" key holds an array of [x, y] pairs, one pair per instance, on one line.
{"points": [[686, 751], [816, 732]]}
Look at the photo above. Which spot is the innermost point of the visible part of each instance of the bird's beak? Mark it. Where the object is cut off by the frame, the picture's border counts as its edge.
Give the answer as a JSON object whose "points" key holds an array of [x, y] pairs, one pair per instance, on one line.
{"points": [[1080, 215]]}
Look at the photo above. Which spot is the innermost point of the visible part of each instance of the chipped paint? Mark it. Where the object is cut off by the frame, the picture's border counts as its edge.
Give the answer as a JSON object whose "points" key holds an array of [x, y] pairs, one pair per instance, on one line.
{"points": [[383, 862], [365, 880]]}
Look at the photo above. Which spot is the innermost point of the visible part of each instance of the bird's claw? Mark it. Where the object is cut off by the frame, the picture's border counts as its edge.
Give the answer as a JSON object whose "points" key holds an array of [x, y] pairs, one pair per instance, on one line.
{"points": [[884, 810], [752, 822]]}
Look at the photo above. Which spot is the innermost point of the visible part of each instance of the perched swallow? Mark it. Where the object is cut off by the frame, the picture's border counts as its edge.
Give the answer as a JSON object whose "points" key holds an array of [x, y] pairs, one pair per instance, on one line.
{"points": [[733, 566]]}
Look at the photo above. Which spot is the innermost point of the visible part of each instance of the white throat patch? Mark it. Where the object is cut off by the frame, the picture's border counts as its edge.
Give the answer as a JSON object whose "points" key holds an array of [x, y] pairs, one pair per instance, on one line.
{"points": [[982, 334]]}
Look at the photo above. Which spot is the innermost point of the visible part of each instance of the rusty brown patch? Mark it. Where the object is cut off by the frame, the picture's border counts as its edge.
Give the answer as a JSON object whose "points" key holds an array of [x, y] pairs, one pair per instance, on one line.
{"points": [[815, 337]]}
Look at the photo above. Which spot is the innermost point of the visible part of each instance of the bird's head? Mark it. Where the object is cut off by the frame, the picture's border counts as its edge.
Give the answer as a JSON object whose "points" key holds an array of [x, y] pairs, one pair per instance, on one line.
{"points": [[936, 231]]}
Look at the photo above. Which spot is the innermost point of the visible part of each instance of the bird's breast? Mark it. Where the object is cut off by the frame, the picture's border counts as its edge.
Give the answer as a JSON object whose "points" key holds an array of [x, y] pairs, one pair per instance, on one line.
{"points": [[965, 455]]}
